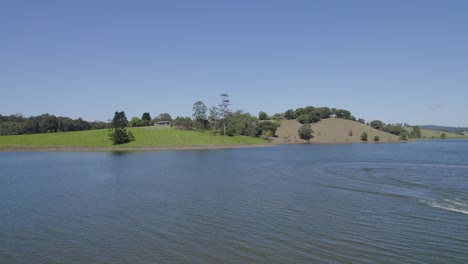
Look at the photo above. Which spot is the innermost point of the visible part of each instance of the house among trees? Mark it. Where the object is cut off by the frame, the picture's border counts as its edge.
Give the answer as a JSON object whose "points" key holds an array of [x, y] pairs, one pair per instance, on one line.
{"points": [[162, 123]]}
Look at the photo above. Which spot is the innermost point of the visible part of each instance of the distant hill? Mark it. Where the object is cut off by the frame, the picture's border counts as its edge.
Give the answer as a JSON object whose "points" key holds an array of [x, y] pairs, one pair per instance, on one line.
{"points": [[456, 130], [332, 130]]}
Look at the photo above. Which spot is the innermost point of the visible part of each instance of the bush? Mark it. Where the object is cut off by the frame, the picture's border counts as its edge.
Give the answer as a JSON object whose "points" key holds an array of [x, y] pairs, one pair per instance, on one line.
{"points": [[305, 132], [184, 123], [376, 138], [267, 135], [230, 131], [268, 126], [119, 136], [364, 136], [443, 136]]}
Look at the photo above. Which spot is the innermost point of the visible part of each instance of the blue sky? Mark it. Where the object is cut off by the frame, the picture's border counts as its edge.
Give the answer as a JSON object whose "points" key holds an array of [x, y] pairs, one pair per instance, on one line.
{"points": [[398, 61]]}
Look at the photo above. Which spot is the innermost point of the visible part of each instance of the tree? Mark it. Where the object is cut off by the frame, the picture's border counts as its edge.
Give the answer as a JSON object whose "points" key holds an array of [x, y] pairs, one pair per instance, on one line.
{"points": [[364, 136], [404, 135], [199, 111], [315, 116], [224, 110], [117, 132], [268, 126], [324, 112], [305, 132], [183, 123], [308, 109], [163, 117], [443, 136], [199, 115], [305, 119], [377, 124], [213, 117], [341, 113], [361, 120], [289, 114], [416, 133], [146, 118], [135, 121], [376, 138], [262, 116], [299, 111]]}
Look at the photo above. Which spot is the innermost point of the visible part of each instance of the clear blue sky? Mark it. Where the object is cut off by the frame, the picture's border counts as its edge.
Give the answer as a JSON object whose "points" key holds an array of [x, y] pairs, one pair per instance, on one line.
{"points": [[398, 61]]}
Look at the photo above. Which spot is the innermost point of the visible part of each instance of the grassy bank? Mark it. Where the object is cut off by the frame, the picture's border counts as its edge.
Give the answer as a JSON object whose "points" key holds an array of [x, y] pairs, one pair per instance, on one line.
{"points": [[145, 138]]}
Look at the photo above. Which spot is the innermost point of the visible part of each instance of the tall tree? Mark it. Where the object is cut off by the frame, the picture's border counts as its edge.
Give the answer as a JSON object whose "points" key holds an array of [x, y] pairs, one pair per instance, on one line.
{"points": [[224, 106], [199, 111], [199, 114], [224, 110], [117, 132], [146, 118], [213, 117]]}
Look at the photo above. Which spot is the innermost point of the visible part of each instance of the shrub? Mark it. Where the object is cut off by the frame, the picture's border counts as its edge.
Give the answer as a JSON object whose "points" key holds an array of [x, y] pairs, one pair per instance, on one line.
{"points": [[305, 132], [376, 138], [443, 136], [119, 136], [267, 135], [268, 126], [364, 136]]}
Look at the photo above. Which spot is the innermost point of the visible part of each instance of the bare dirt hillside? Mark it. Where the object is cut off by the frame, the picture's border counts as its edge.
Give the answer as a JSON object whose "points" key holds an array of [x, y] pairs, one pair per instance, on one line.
{"points": [[332, 130]]}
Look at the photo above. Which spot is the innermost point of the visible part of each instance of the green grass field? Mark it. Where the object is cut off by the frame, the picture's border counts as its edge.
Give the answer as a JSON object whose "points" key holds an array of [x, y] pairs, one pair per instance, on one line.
{"points": [[145, 137], [428, 134]]}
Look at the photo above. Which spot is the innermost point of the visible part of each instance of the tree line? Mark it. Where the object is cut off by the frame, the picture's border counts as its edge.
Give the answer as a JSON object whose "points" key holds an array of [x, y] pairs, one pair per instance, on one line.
{"points": [[18, 124], [220, 119]]}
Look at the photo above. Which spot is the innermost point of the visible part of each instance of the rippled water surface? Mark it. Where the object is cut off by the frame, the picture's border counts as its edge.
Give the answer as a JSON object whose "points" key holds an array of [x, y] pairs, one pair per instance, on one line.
{"points": [[376, 203]]}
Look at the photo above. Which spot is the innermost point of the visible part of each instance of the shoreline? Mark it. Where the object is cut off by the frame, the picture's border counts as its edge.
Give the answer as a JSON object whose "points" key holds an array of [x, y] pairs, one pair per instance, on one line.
{"points": [[110, 149]]}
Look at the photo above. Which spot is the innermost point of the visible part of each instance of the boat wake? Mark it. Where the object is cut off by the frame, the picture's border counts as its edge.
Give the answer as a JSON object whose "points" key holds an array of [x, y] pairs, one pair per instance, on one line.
{"points": [[455, 205]]}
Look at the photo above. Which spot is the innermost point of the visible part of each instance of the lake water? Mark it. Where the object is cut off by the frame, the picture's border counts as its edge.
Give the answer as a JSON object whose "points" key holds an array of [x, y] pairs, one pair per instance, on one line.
{"points": [[363, 203]]}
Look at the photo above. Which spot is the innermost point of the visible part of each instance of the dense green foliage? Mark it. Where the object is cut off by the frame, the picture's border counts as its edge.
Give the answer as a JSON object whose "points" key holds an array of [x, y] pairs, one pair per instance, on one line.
{"points": [[262, 116], [199, 115], [18, 124], [376, 138], [443, 136], [364, 136], [145, 119], [377, 124], [117, 133], [305, 132], [312, 114], [163, 117], [183, 123], [416, 133]]}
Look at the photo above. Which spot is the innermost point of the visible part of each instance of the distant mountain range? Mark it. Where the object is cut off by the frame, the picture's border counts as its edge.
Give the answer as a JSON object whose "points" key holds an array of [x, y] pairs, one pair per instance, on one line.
{"points": [[457, 130]]}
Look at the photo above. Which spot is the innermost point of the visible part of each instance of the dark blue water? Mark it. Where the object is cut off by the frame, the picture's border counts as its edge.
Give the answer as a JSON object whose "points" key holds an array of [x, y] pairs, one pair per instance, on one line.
{"points": [[376, 203]]}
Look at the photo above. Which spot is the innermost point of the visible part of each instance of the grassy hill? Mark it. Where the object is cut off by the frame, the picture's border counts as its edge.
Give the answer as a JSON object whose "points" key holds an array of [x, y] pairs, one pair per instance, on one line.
{"points": [[146, 137], [332, 130]]}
